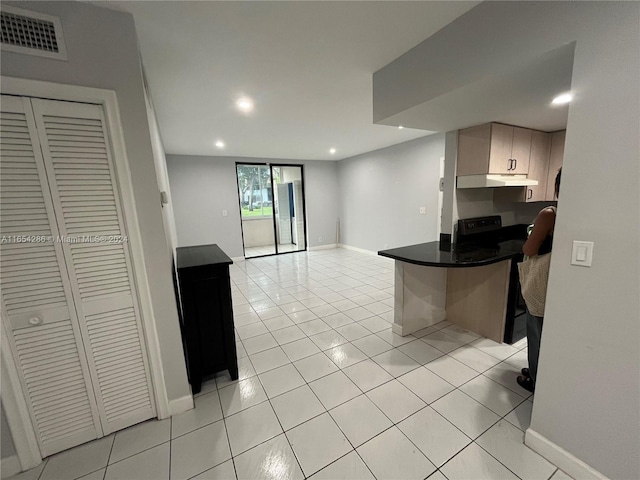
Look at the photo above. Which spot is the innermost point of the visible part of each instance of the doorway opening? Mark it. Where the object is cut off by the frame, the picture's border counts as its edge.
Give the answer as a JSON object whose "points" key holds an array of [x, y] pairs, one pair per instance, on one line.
{"points": [[272, 208]]}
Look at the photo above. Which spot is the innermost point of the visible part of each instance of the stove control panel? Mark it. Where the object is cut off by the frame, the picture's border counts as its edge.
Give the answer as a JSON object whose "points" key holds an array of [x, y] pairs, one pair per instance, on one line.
{"points": [[470, 226]]}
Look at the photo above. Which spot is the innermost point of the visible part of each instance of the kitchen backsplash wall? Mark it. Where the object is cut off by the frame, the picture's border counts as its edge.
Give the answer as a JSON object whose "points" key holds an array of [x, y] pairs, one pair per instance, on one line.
{"points": [[478, 202]]}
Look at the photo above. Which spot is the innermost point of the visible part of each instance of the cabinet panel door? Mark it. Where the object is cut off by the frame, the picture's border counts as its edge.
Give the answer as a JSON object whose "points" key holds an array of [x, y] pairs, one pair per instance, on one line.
{"points": [[555, 162], [538, 166], [500, 153], [521, 150], [474, 144], [77, 156], [37, 301]]}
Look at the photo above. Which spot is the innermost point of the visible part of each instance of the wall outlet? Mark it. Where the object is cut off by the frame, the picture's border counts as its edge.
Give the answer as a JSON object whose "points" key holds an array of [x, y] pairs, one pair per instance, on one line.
{"points": [[423, 210], [224, 213], [320, 239]]}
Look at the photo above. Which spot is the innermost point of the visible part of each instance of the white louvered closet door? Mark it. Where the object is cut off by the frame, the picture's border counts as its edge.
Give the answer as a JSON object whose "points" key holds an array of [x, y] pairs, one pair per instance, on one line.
{"points": [[37, 301], [80, 169]]}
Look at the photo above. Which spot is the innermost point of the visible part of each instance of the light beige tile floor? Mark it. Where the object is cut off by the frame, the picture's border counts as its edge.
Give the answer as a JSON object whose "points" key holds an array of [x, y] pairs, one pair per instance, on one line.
{"points": [[329, 392]]}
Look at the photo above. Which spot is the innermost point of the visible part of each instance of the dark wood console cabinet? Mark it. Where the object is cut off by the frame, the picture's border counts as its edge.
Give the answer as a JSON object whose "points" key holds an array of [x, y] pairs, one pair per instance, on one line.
{"points": [[206, 312]]}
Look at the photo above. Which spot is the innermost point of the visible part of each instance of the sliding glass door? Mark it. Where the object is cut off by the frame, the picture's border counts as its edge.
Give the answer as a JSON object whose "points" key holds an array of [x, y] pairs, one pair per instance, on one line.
{"points": [[271, 208], [289, 208], [256, 209]]}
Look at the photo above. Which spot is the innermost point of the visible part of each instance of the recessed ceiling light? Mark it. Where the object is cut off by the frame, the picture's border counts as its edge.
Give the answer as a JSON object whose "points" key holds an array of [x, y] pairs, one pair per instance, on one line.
{"points": [[220, 144], [332, 151], [244, 104], [562, 99], [400, 127]]}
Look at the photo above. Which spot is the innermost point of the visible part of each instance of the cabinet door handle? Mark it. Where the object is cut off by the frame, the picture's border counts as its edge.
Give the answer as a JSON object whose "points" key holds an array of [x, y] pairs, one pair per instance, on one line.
{"points": [[510, 164], [515, 164], [529, 193]]}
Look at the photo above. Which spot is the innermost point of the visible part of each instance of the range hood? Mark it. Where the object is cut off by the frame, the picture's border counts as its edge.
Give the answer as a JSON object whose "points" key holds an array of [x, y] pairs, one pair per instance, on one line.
{"points": [[484, 181]]}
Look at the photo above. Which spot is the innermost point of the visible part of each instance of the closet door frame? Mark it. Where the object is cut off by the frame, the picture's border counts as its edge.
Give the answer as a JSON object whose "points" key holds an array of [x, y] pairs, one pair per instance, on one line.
{"points": [[15, 404]]}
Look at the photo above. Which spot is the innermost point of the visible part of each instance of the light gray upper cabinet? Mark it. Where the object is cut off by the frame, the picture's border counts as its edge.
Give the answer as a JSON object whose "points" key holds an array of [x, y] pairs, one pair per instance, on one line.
{"points": [[494, 148], [547, 152]]}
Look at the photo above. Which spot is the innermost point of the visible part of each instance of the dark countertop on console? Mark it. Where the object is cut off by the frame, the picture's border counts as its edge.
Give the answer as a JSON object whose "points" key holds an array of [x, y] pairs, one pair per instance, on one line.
{"points": [[455, 256], [201, 255]]}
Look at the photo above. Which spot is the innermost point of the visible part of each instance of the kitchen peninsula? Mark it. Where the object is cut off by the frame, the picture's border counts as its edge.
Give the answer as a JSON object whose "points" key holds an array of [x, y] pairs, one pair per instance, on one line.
{"points": [[466, 283]]}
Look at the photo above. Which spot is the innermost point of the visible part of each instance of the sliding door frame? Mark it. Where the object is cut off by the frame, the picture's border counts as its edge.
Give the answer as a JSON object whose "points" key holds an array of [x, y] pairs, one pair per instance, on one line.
{"points": [[273, 214], [304, 204]]}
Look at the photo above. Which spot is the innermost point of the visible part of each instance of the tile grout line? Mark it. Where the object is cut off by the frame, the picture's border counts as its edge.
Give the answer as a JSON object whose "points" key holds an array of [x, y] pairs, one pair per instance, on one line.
{"points": [[279, 421], [109, 457], [326, 411], [393, 424], [420, 365], [46, 461]]}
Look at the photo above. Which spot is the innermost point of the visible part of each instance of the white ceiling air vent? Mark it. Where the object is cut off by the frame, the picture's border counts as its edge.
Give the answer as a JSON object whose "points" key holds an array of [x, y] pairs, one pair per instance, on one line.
{"points": [[32, 33]]}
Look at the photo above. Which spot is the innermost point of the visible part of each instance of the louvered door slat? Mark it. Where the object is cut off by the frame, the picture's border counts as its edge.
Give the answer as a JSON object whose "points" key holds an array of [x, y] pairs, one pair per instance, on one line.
{"points": [[67, 405], [116, 365], [113, 391], [101, 324], [79, 166], [64, 430], [48, 353], [65, 386], [44, 352], [97, 330], [136, 399], [45, 369], [65, 420], [44, 375]]}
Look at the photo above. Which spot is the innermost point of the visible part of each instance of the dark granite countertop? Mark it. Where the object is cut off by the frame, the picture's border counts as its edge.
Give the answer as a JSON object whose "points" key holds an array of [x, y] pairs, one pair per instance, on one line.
{"points": [[200, 255], [456, 256]]}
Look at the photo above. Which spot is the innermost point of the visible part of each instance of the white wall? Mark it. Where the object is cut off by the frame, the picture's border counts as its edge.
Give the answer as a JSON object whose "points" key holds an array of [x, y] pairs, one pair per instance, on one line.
{"points": [[102, 53], [382, 191], [162, 174], [258, 232], [587, 399], [203, 187]]}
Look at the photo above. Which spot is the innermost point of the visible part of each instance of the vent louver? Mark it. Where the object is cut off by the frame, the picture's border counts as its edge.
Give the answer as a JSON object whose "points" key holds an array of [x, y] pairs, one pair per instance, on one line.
{"points": [[31, 33]]}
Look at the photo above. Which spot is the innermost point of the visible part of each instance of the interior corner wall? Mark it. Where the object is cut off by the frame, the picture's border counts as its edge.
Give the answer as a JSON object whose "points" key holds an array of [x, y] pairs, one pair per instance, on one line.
{"points": [[7, 449], [381, 193], [102, 53], [203, 186]]}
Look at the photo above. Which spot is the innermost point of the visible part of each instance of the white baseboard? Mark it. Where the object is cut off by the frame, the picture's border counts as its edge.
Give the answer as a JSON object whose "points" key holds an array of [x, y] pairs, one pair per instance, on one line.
{"points": [[356, 249], [565, 461], [323, 247], [180, 405], [238, 259], [10, 466]]}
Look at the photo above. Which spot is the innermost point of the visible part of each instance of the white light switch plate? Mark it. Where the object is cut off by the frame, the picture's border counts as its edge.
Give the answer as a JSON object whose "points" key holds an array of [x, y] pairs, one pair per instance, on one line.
{"points": [[582, 253]]}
